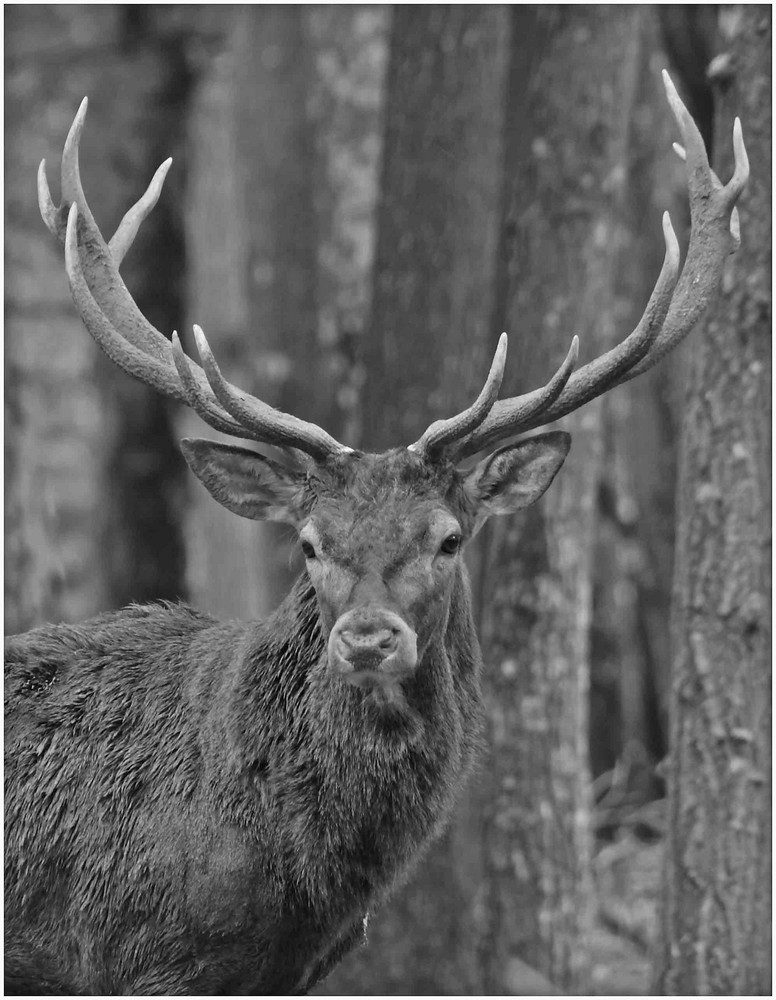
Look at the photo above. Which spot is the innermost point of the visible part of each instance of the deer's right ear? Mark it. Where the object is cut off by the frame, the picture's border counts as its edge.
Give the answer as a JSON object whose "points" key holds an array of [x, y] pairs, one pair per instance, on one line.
{"points": [[245, 482]]}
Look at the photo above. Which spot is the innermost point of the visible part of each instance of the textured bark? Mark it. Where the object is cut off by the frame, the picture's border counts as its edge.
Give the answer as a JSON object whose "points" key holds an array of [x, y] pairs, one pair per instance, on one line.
{"points": [[433, 267], [630, 655], [350, 49], [425, 355], [77, 541], [716, 919], [253, 274], [572, 93]]}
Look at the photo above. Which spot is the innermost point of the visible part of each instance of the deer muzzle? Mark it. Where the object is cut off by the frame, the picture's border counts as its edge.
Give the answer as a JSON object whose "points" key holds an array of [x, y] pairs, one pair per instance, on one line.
{"points": [[369, 647]]}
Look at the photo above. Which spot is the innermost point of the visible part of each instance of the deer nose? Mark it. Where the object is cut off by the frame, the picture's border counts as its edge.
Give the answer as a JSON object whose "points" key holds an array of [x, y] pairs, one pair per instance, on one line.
{"points": [[368, 647]]}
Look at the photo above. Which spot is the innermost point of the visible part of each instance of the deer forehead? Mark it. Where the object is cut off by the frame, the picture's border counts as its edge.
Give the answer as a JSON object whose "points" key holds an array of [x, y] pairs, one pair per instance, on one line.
{"points": [[388, 498]]}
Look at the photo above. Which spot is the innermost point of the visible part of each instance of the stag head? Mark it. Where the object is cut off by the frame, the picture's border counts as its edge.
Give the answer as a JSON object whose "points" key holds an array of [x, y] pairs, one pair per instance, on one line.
{"points": [[383, 534]]}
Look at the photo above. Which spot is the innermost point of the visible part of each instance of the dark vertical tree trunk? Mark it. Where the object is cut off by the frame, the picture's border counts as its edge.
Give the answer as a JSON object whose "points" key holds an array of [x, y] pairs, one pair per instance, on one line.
{"points": [[571, 97], [430, 340], [426, 354], [716, 891], [634, 555], [144, 484]]}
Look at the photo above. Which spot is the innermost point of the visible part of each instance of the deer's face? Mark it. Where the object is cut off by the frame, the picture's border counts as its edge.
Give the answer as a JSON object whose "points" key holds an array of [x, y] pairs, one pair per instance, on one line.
{"points": [[382, 536], [382, 554]]}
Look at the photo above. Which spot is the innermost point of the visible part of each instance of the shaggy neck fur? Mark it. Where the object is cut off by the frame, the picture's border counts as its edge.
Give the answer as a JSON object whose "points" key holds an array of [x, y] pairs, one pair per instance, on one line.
{"points": [[356, 784]]}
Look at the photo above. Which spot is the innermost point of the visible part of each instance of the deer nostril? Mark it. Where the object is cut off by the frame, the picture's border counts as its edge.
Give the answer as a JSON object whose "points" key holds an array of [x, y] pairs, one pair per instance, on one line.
{"points": [[388, 639]]}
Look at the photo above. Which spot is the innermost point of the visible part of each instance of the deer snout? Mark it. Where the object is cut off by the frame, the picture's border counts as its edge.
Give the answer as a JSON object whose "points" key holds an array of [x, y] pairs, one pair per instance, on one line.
{"points": [[372, 647]]}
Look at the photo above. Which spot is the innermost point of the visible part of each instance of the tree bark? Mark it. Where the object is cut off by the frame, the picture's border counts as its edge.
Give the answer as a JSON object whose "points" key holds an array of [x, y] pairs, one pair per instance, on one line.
{"points": [[426, 356], [253, 278], [436, 224], [716, 917], [630, 655], [350, 52], [571, 97]]}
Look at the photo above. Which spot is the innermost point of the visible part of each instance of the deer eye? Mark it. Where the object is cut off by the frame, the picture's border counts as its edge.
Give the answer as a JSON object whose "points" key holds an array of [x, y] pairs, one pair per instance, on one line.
{"points": [[450, 545], [307, 550]]}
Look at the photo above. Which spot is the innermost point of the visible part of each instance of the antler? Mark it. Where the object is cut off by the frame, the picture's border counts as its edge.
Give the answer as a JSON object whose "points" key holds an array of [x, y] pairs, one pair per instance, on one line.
{"points": [[672, 311], [115, 322], [113, 319], [443, 432]]}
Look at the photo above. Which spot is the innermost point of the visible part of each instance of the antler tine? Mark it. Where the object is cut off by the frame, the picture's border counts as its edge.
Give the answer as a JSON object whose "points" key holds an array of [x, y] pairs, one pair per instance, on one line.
{"points": [[527, 406], [122, 352], [674, 307], [208, 409], [266, 423], [71, 187], [694, 146], [48, 210], [128, 228], [70, 179], [444, 432], [737, 182]]}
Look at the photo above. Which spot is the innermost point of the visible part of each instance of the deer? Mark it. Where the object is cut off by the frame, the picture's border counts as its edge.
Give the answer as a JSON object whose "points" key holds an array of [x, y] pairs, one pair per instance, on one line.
{"points": [[197, 806]]}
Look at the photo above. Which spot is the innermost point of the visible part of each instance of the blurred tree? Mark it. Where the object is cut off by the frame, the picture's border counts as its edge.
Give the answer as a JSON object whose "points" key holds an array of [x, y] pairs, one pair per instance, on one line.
{"points": [[426, 354], [567, 167], [251, 230], [717, 877], [91, 488], [635, 534], [350, 47], [689, 35]]}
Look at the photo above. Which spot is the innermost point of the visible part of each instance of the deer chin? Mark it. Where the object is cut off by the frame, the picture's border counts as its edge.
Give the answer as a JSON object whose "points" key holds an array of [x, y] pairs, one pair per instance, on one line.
{"points": [[398, 723], [374, 672]]}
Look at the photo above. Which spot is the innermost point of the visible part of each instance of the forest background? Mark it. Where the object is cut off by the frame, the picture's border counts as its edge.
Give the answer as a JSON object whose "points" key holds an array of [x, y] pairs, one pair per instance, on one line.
{"points": [[362, 198]]}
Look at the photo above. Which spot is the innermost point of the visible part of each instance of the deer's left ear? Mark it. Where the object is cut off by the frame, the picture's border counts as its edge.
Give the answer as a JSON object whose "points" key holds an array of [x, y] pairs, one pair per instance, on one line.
{"points": [[515, 476]]}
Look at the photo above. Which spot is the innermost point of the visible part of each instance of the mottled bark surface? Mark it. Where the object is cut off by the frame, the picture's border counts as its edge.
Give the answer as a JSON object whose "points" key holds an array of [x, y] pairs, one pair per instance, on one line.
{"points": [[716, 921], [425, 355], [253, 276], [430, 342], [630, 657], [572, 90], [350, 53]]}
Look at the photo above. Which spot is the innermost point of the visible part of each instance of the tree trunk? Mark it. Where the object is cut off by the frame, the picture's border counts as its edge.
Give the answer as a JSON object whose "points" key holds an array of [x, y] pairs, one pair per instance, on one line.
{"points": [[571, 97], [630, 656], [426, 356], [350, 50], [144, 475], [716, 919], [253, 276]]}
